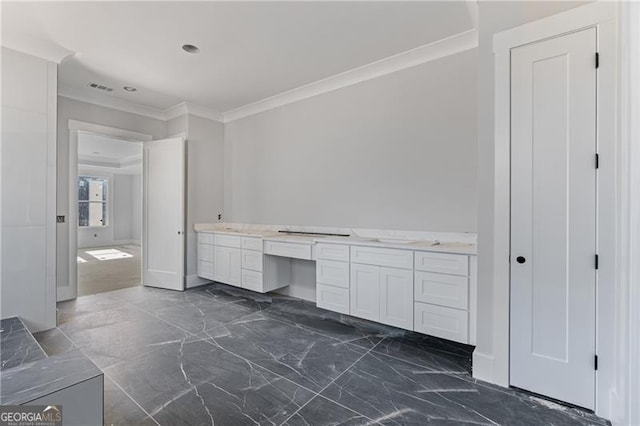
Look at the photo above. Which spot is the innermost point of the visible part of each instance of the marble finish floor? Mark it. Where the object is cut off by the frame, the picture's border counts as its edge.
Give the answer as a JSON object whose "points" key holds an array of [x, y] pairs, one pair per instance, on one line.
{"points": [[224, 356]]}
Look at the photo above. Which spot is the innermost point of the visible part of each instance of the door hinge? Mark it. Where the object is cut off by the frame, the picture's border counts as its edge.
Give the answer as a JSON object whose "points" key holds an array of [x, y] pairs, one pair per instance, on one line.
{"points": [[597, 60], [595, 362], [596, 261], [597, 160]]}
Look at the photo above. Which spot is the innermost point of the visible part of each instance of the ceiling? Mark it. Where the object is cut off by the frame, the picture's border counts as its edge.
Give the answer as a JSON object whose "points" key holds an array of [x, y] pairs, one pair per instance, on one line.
{"points": [[249, 50], [109, 154]]}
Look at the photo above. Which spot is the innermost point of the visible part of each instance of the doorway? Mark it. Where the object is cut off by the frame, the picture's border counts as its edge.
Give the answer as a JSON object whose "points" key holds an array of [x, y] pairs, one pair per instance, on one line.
{"points": [[109, 213], [554, 172]]}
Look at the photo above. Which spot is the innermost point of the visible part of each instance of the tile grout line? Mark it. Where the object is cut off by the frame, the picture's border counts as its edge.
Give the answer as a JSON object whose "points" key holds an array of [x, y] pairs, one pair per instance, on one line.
{"points": [[109, 377], [331, 382]]}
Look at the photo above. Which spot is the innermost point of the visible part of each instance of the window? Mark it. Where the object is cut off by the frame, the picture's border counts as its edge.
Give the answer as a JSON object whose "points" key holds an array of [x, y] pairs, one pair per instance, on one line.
{"points": [[92, 201]]}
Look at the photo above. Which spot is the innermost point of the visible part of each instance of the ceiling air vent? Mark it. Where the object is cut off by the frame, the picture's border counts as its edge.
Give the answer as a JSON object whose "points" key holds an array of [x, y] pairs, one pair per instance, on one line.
{"points": [[101, 87]]}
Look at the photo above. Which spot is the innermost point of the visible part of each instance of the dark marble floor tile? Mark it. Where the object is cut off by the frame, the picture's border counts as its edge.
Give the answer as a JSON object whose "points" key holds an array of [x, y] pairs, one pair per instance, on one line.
{"points": [[151, 299], [201, 314], [8, 325], [227, 294], [391, 391], [332, 324], [307, 358], [321, 412], [120, 410], [427, 351], [77, 308], [54, 342], [518, 408], [18, 347], [105, 316], [112, 343], [239, 394]]}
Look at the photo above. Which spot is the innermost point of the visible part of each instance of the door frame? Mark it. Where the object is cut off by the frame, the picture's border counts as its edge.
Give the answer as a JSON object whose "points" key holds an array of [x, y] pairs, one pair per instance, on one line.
{"points": [[70, 291], [494, 366]]}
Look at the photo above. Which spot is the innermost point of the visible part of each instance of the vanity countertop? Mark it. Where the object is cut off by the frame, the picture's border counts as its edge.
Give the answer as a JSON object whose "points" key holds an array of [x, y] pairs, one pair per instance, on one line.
{"points": [[448, 245]]}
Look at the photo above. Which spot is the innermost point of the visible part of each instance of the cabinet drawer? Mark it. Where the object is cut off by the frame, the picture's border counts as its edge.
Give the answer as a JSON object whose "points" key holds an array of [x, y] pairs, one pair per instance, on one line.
{"points": [[204, 238], [226, 240], [444, 263], [284, 249], [439, 321], [252, 260], [332, 252], [205, 252], [252, 280], [205, 269], [333, 273], [383, 257], [444, 290], [252, 243], [332, 298]]}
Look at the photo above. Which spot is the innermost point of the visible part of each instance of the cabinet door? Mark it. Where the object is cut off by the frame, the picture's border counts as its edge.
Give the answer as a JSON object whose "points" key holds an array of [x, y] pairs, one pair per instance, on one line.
{"points": [[396, 297], [227, 265], [365, 291]]}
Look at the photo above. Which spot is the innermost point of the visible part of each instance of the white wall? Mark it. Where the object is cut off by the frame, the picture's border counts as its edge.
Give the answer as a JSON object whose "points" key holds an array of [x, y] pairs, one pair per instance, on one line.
{"points": [[395, 152], [29, 89], [70, 109], [205, 181]]}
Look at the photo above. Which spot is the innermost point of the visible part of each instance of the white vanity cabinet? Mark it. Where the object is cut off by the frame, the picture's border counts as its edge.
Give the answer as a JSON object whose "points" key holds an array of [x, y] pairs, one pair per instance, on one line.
{"points": [[332, 277], [380, 293], [227, 265], [205, 256], [444, 295]]}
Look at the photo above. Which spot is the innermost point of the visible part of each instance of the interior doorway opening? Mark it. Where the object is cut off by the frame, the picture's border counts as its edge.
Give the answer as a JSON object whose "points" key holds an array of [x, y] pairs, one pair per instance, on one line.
{"points": [[109, 213]]}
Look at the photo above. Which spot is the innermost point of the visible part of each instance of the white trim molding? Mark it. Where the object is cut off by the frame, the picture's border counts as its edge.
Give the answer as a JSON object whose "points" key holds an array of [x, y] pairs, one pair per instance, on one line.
{"points": [[39, 48], [611, 399], [429, 52], [93, 97]]}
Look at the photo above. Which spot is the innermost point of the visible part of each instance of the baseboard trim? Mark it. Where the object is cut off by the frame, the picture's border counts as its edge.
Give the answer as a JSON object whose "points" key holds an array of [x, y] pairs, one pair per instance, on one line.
{"points": [[483, 366], [193, 280]]}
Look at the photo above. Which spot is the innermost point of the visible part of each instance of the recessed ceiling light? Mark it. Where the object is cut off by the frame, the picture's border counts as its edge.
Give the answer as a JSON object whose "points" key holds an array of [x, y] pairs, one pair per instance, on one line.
{"points": [[96, 152], [129, 88], [190, 48]]}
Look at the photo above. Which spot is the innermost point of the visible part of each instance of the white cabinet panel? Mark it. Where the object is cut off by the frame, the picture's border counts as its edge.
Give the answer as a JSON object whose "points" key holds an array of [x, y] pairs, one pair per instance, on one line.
{"points": [[226, 240], [227, 265], [365, 291], [286, 249], [205, 269], [205, 252], [396, 297], [252, 280], [444, 263], [444, 290], [439, 321], [382, 257], [252, 260], [332, 252], [332, 298], [205, 238], [252, 243], [332, 273]]}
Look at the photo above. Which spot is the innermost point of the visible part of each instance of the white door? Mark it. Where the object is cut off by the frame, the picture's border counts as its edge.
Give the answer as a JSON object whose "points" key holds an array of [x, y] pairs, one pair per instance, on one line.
{"points": [[164, 220], [365, 291], [553, 217], [396, 297]]}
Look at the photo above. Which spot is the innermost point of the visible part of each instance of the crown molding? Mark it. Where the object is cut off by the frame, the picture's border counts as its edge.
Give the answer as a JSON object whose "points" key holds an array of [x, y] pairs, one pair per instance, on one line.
{"points": [[429, 52], [194, 109], [38, 48], [89, 96]]}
